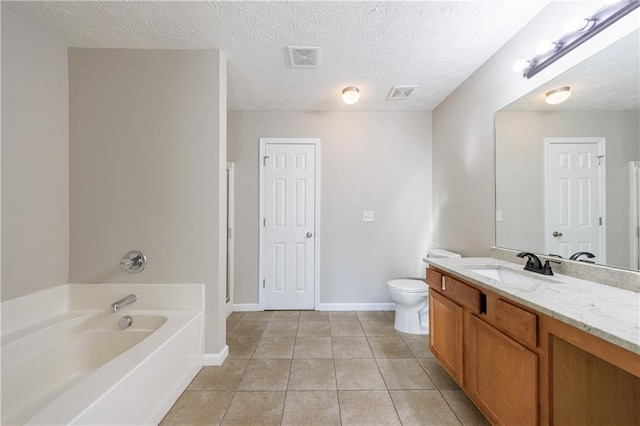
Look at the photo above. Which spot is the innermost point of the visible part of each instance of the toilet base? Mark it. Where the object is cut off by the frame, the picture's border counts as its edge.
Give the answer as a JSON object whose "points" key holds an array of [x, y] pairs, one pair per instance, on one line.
{"points": [[412, 320]]}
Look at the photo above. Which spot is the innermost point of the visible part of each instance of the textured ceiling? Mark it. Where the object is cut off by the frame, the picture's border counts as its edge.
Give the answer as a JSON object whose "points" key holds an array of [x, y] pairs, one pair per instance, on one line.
{"points": [[372, 45], [607, 81]]}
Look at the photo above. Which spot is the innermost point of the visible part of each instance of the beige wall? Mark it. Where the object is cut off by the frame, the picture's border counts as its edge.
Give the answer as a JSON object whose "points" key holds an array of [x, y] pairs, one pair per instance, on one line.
{"points": [[35, 177], [146, 160], [369, 161], [520, 142], [463, 130]]}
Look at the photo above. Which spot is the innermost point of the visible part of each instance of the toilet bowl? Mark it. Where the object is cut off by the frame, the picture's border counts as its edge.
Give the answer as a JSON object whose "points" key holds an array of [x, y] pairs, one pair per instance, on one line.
{"points": [[410, 297]]}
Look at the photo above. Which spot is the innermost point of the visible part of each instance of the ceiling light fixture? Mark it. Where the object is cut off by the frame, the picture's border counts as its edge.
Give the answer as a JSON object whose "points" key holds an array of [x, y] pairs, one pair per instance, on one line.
{"points": [[581, 31], [350, 95], [557, 96]]}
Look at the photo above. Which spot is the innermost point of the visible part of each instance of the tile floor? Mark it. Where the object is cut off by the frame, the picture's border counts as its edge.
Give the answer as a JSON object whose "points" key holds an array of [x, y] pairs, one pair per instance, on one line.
{"points": [[323, 368]]}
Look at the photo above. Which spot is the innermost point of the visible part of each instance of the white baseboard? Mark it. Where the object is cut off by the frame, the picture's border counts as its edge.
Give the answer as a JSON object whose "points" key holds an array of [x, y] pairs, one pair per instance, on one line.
{"points": [[246, 307], [229, 306], [216, 359], [357, 306]]}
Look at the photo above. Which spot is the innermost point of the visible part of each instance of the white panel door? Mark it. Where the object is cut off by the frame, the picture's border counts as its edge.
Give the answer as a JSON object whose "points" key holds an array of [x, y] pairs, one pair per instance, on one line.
{"points": [[574, 199], [289, 249]]}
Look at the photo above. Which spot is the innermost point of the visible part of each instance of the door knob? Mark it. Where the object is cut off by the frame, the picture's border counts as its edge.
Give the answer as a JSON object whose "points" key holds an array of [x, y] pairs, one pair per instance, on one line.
{"points": [[557, 234], [309, 235]]}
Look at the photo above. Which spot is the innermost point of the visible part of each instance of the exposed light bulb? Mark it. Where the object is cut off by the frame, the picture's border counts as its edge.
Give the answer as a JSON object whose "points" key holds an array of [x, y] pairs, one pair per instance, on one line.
{"points": [[557, 96], [350, 95], [546, 47], [521, 65], [577, 24]]}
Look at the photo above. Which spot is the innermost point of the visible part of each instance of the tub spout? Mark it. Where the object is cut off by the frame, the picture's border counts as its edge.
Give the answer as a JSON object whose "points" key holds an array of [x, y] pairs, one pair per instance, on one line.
{"points": [[115, 307]]}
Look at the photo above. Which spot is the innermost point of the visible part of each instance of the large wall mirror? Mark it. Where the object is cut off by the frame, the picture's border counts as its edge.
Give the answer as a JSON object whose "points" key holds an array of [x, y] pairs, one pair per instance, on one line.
{"points": [[568, 175]]}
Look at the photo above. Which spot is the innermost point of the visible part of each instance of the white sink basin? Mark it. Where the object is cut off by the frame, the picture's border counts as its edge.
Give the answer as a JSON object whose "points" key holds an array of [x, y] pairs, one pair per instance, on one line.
{"points": [[509, 277]]}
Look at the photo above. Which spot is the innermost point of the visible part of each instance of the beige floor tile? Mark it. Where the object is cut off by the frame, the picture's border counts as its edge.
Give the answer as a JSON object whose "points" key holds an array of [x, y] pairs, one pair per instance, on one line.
{"points": [[367, 408], [313, 328], [198, 408], [404, 374], [391, 315], [378, 328], [242, 346], [389, 347], [419, 345], [281, 329], [310, 408], [313, 316], [351, 347], [234, 316], [372, 316], [255, 408], [343, 316], [346, 328], [285, 316], [231, 323], [423, 407], [256, 316], [274, 347], [312, 374], [438, 374], [313, 347], [358, 374], [248, 328], [266, 374], [225, 377], [464, 409]]}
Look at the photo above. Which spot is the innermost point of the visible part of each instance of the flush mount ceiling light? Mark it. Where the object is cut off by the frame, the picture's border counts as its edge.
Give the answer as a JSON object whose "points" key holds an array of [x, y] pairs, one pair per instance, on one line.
{"points": [[578, 30], [557, 96], [350, 95]]}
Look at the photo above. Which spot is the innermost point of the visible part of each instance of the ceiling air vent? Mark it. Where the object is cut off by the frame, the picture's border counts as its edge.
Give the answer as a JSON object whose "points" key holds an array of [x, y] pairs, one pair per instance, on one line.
{"points": [[400, 92], [304, 57]]}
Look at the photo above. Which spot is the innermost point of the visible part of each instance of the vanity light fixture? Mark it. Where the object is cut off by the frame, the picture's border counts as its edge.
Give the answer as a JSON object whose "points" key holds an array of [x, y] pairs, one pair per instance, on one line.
{"points": [[350, 95], [557, 96], [579, 31]]}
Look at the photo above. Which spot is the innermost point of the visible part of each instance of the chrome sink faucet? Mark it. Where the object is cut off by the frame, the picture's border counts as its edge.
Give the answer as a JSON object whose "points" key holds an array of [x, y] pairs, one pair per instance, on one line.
{"points": [[115, 306], [535, 265]]}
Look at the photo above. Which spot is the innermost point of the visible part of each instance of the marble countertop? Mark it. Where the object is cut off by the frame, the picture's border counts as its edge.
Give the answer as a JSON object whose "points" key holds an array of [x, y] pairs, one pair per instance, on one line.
{"points": [[611, 313]]}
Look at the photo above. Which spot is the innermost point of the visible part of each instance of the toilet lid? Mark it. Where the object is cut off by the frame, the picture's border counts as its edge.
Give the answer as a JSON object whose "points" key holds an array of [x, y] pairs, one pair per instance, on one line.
{"points": [[409, 286]]}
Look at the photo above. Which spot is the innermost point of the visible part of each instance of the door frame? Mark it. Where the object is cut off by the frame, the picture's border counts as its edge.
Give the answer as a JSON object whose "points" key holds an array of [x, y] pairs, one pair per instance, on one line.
{"points": [[634, 206], [601, 142], [316, 225], [230, 232]]}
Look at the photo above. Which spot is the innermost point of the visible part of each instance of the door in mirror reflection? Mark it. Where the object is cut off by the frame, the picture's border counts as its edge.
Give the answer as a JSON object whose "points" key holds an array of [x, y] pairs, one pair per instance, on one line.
{"points": [[575, 196]]}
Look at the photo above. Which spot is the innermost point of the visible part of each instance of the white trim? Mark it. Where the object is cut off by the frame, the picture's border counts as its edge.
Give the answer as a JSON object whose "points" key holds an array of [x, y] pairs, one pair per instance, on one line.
{"points": [[229, 308], [317, 232], [246, 307], [216, 359], [356, 307], [634, 214], [601, 141], [230, 233]]}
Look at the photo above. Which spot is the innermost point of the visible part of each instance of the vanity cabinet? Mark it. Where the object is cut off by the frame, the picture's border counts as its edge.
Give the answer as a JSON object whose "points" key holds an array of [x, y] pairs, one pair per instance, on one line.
{"points": [[445, 334], [522, 367], [502, 375]]}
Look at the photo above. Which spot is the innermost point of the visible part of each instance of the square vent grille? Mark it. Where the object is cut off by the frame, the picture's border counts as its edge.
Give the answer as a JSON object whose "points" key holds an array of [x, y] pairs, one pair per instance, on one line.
{"points": [[400, 92], [304, 57]]}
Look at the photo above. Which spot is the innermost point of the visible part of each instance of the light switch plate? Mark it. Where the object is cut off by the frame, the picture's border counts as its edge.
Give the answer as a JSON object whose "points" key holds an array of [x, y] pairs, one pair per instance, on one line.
{"points": [[498, 215], [367, 216]]}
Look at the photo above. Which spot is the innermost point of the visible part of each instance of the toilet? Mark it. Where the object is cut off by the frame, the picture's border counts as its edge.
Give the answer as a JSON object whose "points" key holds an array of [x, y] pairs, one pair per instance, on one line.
{"points": [[411, 298]]}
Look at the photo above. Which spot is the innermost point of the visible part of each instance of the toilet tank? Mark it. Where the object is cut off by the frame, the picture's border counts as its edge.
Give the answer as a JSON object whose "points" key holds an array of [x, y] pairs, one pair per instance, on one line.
{"points": [[440, 253]]}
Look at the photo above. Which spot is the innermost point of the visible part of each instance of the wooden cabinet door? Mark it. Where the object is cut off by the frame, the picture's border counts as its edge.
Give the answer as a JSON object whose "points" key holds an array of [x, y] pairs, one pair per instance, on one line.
{"points": [[445, 333], [502, 375]]}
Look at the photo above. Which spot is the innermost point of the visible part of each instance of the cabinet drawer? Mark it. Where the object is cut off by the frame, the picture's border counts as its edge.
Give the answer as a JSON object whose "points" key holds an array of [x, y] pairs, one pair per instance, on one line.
{"points": [[462, 294], [517, 323], [434, 279]]}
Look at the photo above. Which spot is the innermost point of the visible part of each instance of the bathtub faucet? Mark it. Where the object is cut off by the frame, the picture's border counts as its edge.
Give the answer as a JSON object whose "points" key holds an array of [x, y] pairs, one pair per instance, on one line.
{"points": [[115, 307]]}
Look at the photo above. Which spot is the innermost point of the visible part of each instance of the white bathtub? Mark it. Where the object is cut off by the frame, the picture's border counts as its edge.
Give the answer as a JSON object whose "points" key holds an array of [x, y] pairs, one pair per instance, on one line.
{"points": [[79, 367]]}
